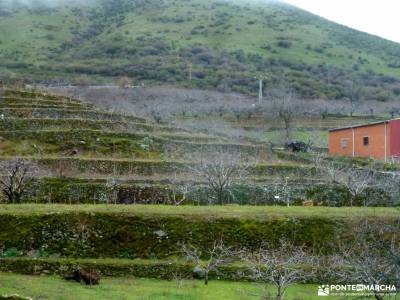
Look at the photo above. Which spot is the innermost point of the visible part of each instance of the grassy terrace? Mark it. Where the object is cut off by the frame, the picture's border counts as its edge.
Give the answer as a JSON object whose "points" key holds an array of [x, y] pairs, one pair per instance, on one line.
{"points": [[34, 102], [229, 211], [46, 135], [162, 179], [61, 112], [110, 165], [44, 123], [129, 231]]}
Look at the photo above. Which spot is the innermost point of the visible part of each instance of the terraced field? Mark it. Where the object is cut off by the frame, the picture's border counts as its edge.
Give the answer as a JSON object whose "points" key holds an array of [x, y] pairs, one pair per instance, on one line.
{"points": [[89, 155], [227, 114], [312, 128], [88, 160], [80, 147], [41, 117]]}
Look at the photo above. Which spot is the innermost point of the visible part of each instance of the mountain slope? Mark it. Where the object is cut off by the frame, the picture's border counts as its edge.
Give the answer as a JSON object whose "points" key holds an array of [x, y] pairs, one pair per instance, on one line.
{"points": [[214, 45]]}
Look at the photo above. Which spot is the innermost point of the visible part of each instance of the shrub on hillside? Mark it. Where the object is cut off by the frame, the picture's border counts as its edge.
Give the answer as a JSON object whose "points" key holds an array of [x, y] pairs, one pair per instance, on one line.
{"points": [[284, 44]]}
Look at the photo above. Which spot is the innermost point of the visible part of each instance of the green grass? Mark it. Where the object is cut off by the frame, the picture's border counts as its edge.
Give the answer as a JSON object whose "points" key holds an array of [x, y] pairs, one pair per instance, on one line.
{"points": [[318, 137], [55, 43], [228, 211], [54, 288]]}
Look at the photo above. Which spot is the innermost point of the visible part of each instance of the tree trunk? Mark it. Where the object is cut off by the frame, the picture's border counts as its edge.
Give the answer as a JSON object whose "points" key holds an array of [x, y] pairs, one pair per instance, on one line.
{"points": [[16, 198], [287, 133], [220, 195], [206, 278], [279, 294]]}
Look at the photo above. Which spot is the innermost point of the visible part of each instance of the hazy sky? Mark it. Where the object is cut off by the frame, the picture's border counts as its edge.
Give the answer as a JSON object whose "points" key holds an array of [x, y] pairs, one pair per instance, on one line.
{"points": [[372, 16]]}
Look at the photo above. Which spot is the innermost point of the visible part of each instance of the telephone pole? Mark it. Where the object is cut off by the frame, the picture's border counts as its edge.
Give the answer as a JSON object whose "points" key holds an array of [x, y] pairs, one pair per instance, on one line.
{"points": [[260, 89], [190, 67]]}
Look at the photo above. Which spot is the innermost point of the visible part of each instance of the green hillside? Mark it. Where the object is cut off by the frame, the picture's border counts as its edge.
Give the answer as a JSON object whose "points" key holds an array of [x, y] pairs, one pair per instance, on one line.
{"points": [[212, 45]]}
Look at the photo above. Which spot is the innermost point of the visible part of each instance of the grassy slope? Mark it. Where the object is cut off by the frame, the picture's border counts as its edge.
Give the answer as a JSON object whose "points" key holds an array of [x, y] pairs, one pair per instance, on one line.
{"points": [[259, 24], [27, 32], [51, 287], [35, 37], [230, 211]]}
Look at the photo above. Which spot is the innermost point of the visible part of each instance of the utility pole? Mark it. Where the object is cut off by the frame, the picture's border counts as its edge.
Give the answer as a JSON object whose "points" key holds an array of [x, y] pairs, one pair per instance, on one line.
{"points": [[190, 67], [260, 89]]}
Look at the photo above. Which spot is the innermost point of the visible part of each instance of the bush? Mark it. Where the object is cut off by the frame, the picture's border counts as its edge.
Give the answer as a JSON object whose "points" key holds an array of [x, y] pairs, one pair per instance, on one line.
{"points": [[112, 234], [284, 44], [11, 252]]}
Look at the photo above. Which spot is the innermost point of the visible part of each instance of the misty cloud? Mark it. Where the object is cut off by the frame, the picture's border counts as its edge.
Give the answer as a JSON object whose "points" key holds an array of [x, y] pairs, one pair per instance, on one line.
{"points": [[38, 3]]}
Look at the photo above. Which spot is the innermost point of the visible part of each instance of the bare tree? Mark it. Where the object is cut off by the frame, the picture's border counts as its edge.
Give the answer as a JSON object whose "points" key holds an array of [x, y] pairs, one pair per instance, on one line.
{"points": [[283, 191], [179, 190], [125, 82], [83, 80], [113, 186], [282, 266], [209, 261], [285, 109], [372, 258], [354, 92], [15, 178], [221, 172], [355, 180], [179, 193], [389, 182], [178, 277]]}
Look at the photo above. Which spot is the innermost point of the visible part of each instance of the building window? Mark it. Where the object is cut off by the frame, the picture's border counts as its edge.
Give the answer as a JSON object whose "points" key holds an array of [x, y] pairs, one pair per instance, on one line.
{"points": [[366, 140], [344, 143]]}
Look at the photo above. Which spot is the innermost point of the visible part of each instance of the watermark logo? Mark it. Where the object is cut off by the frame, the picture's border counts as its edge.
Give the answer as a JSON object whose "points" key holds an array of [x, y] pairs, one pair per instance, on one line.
{"points": [[356, 289], [323, 290]]}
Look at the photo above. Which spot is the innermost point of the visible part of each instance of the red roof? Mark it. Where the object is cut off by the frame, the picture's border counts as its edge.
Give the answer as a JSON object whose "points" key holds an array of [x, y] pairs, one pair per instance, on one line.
{"points": [[361, 125]]}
